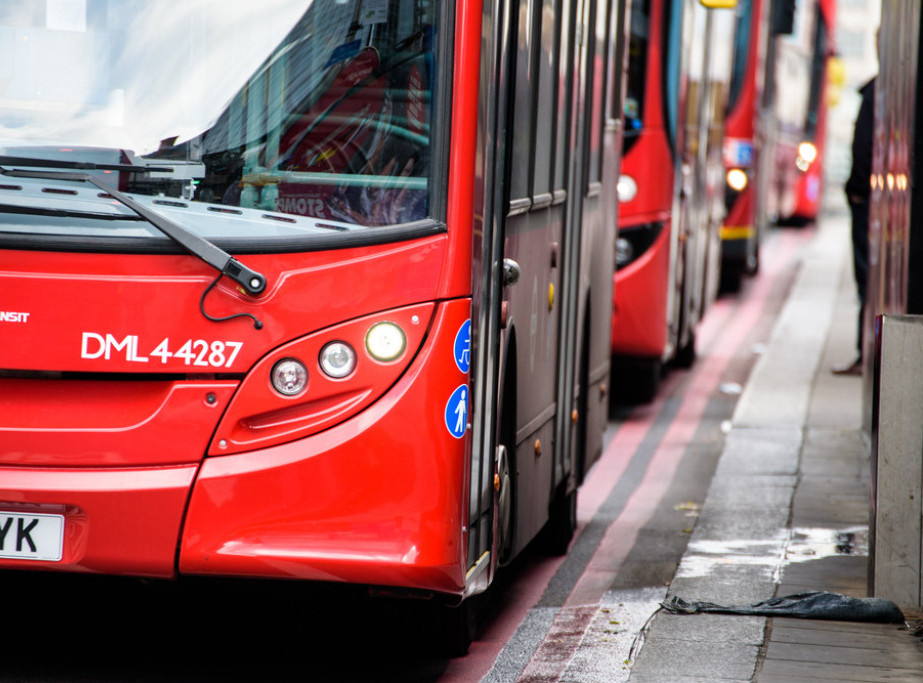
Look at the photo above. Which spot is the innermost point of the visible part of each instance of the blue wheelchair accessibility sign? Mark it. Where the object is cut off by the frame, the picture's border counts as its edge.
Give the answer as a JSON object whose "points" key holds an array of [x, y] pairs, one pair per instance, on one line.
{"points": [[463, 346], [456, 412]]}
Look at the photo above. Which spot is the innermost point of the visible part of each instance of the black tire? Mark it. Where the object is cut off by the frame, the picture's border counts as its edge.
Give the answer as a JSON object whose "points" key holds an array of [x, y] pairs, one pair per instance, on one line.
{"points": [[685, 355], [455, 627], [504, 505], [561, 526], [732, 276], [647, 380]]}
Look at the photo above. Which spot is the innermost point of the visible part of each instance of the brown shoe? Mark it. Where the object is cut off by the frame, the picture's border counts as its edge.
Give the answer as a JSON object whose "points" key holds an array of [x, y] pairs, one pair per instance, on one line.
{"points": [[854, 368]]}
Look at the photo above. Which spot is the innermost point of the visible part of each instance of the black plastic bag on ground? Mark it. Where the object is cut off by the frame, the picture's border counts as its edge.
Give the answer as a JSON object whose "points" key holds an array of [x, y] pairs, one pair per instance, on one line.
{"points": [[816, 605]]}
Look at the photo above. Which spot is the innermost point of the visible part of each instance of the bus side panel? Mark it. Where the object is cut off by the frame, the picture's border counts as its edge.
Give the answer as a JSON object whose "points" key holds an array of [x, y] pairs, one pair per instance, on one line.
{"points": [[374, 500]]}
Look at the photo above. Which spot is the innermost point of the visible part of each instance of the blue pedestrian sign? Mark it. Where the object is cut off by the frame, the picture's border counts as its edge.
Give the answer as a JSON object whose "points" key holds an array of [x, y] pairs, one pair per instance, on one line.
{"points": [[456, 412], [463, 346]]}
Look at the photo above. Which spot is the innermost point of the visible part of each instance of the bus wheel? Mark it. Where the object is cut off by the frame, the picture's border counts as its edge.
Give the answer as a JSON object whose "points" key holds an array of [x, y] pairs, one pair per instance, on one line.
{"points": [[685, 355], [455, 627], [647, 380], [504, 504], [731, 278], [561, 525]]}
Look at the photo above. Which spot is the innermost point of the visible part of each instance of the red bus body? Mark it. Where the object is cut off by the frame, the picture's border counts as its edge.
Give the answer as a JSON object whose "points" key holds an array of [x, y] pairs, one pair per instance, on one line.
{"points": [[671, 208], [138, 413], [776, 128]]}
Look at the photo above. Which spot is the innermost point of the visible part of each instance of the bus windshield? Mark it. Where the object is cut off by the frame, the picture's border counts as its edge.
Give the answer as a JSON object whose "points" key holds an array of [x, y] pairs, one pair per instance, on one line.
{"points": [[742, 46], [638, 46], [314, 108]]}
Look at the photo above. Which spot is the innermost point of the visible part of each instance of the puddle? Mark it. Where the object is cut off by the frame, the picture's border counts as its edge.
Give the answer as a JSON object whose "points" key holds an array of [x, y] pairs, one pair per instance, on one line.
{"points": [[704, 558], [816, 544], [730, 388]]}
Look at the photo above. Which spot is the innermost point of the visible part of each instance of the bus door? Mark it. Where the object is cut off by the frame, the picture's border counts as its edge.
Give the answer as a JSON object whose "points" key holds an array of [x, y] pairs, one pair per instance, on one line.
{"points": [[535, 81], [584, 365], [703, 95]]}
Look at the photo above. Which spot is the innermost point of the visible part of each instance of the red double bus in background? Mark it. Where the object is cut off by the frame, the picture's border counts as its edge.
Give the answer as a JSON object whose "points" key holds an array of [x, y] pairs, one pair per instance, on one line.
{"points": [[776, 124], [285, 294], [670, 191]]}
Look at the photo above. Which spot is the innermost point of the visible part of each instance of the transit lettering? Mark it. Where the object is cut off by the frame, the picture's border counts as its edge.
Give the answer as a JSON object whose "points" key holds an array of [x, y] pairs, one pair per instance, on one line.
{"points": [[14, 317]]}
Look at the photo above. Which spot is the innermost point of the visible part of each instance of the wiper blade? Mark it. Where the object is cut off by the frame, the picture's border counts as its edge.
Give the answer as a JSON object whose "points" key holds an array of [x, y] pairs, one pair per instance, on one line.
{"points": [[35, 162], [252, 281]]}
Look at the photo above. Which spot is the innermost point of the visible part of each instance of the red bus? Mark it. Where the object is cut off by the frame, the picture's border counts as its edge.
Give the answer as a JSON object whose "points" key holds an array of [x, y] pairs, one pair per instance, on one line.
{"points": [[285, 294], [670, 193], [776, 124]]}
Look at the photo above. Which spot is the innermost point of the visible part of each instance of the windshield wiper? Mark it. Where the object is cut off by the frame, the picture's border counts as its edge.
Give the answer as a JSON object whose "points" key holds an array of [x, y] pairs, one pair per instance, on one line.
{"points": [[253, 282], [35, 162]]}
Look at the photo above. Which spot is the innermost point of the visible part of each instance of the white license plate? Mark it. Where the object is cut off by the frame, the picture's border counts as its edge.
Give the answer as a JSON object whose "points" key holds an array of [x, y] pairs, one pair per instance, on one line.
{"points": [[31, 536]]}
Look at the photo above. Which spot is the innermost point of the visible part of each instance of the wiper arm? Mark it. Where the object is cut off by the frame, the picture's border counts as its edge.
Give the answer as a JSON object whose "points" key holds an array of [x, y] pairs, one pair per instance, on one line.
{"points": [[252, 281], [35, 162]]}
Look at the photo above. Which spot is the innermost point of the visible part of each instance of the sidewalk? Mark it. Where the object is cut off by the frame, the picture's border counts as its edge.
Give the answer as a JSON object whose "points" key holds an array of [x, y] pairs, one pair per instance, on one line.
{"points": [[787, 511]]}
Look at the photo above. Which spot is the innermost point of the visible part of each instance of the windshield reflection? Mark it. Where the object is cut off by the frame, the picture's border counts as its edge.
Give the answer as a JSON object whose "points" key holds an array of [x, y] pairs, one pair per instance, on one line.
{"points": [[319, 108]]}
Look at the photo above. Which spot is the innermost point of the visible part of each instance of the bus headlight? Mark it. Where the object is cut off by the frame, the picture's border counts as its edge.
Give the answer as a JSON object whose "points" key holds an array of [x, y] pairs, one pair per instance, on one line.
{"points": [[807, 152], [337, 359], [626, 189], [289, 376], [385, 341], [736, 179], [624, 253]]}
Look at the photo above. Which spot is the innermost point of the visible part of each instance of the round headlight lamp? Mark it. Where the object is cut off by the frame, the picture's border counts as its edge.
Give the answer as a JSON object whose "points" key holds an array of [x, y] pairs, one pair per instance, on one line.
{"points": [[624, 252], [289, 376], [337, 359], [385, 341], [626, 189], [807, 152], [736, 179]]}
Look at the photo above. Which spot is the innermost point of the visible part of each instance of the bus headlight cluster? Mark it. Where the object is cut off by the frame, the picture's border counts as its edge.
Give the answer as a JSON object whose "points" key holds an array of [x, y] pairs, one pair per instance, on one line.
{"points": [[385, 342], [737, 179]]}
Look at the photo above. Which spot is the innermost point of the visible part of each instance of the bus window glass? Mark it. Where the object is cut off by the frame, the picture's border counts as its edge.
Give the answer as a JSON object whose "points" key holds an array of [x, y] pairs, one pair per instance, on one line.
{"points": [[565, 55], [673, 44], [321, 108], [637, 71], [524, 114], [596, 74], [742, 46], [544, 114], [818, 64]]}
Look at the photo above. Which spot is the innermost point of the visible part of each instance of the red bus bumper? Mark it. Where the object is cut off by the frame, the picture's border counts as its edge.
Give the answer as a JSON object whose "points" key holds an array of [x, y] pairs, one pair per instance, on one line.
{"points": [[378, 499]]}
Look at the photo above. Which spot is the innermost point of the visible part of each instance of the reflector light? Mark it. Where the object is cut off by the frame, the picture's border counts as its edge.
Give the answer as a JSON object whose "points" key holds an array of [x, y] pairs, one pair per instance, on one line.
{"points": [[385, 341], [289, 376], [626, 189], [337, 359], [736, 179]]}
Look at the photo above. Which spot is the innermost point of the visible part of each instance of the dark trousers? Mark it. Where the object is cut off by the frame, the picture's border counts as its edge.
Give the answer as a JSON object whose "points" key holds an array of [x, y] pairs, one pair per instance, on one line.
{"points": [[860, 257]]}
